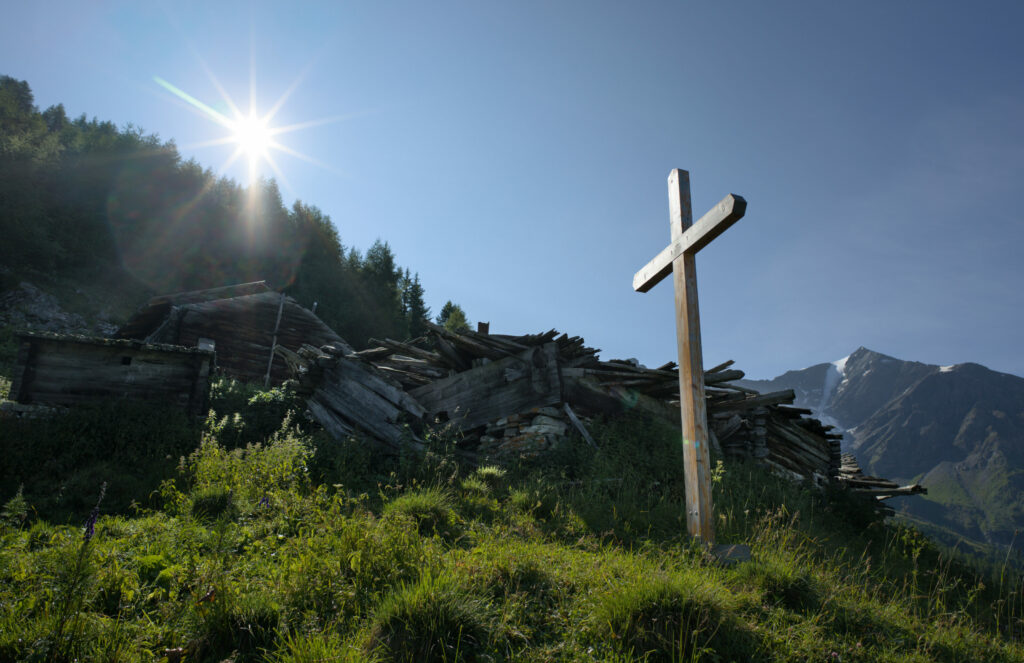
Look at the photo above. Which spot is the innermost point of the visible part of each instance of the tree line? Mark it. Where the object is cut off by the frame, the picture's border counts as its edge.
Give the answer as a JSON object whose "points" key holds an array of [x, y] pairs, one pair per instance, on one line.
{"points": [[80, 197]]}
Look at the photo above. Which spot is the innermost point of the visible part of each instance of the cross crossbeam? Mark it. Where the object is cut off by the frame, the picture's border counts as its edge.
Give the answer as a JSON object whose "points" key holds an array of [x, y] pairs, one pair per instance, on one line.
{"points": [[679, 259], [728, 211]]}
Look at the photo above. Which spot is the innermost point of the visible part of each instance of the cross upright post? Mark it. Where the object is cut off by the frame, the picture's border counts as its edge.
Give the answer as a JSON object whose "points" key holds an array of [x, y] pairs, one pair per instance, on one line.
{"points": [[679, 258]]}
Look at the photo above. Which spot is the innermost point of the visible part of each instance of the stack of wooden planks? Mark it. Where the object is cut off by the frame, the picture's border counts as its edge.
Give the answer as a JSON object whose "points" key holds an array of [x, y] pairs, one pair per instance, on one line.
{"points": [[854, 478], [524, 394]]}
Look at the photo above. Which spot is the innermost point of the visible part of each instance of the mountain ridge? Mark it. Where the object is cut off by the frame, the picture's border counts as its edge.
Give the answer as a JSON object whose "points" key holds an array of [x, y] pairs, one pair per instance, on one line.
{"points": [[956, 429]]}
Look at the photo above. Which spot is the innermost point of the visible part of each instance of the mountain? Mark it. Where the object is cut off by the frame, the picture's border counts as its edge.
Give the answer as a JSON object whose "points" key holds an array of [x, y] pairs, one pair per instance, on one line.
{"points": [[958, 430]]}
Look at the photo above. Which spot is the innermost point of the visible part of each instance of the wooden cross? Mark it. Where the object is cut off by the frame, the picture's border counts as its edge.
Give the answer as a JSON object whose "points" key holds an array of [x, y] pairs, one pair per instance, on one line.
{"points": [[679, 259]]}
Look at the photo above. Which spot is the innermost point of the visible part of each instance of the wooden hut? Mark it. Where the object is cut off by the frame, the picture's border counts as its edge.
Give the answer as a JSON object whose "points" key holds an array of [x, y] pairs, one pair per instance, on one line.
{"points": [[65, 370], [246, 322]]}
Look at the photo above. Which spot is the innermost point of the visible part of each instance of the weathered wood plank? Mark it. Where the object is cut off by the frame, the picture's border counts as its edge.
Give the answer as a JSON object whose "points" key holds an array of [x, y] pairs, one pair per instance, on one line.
{"points": [[698, 235], [578, 425], [68, 370], [693, 409], [505, 386]]}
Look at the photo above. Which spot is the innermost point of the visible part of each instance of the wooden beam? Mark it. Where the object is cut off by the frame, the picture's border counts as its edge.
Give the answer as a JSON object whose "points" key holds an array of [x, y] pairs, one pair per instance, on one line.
{"points": [[693, 410], [698, 235]]}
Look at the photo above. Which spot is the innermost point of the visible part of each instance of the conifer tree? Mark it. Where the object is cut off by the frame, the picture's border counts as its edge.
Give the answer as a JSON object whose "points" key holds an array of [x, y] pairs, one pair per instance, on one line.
{"points": [[416, 311], [452, 317]]}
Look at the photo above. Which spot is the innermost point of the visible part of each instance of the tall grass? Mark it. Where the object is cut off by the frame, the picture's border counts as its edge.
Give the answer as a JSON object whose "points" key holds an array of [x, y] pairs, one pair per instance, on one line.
{"points": [[292, 547]]}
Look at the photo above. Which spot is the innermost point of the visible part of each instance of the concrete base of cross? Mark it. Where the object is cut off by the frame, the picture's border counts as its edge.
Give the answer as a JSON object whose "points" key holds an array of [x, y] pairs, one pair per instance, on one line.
{"points": [[729, 554]]}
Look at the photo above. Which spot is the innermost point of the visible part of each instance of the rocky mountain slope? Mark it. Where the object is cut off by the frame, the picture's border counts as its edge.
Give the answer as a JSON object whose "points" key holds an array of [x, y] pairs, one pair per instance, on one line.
{"points": [[958, 430]]}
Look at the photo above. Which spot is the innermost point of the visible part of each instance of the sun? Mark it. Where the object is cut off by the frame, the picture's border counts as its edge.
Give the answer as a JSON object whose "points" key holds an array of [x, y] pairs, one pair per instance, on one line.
{"points": [[252, 133]]}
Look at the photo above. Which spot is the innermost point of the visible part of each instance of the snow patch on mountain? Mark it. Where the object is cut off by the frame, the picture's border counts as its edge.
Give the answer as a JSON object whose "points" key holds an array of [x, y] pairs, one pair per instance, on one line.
{"points": [[946, 369], [835, 375]]}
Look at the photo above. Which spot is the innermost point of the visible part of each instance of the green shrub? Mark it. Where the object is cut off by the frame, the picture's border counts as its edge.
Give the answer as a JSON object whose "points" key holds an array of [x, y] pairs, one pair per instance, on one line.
{"points": [[15, 511], [242, 414], [60, 460], [783, 581], [319, 648], [430, 508], [212, 503], [253, 472], [435, 619], [493, 477], [241, 627], [669, 618], [474, 486]]}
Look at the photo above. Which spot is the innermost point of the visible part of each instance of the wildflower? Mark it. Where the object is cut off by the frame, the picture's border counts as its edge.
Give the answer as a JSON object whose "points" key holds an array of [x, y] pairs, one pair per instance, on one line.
{"points": [[265, 501], [90, 524]]}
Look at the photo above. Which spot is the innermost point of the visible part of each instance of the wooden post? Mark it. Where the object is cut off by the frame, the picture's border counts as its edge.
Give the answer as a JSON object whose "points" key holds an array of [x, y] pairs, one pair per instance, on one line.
{"points": [[679, 258], [273, 342], [699, 521]]}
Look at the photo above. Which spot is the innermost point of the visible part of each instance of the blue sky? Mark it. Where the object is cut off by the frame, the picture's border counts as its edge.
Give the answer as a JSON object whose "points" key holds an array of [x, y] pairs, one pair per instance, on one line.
{"points": [[515, 154]]}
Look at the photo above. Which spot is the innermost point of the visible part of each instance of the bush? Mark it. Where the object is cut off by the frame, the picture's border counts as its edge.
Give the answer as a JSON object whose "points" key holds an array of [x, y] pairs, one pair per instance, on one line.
{"points": [[243, 414], [493, 477], [784, 582], [435, 619], [246, 627], [60, 460], [430, 508], [211, 504], [669, 618]]}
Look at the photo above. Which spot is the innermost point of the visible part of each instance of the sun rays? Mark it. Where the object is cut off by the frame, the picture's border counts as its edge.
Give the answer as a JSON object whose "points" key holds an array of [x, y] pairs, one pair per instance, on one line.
{"points": [[254, 135]]}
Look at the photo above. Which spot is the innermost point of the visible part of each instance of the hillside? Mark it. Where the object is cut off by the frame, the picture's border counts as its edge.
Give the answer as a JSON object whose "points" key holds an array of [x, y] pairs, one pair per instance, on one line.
{"points": [[100, 218], [284, 546], [957, 430]]}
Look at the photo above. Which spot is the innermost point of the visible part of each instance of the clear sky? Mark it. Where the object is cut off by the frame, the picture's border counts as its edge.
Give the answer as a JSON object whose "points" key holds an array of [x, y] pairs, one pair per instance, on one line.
{"points": [[515, 154]]}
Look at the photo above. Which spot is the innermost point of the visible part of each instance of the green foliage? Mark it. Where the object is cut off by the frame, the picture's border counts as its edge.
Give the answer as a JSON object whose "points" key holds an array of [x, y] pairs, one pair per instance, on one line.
{"points": [[60, 460], [433, 620], [429, 508], [680, 617], [452, 317], [493, 477], [242, 414], [15, 511], [82, 197], [212, 503], [783, 582], [269, 549], [417, 313]]}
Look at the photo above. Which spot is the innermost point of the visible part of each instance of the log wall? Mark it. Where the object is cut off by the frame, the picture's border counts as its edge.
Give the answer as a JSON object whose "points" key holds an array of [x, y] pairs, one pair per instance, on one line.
{"points": [[69, 370]]}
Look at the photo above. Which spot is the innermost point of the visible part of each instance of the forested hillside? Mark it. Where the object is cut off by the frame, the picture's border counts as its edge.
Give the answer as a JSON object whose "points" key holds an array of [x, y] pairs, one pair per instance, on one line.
{"points": [[84, 200]]}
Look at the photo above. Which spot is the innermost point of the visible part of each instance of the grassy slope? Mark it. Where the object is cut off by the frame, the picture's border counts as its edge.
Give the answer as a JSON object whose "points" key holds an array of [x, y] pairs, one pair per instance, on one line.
{"points": [[285, 552]]}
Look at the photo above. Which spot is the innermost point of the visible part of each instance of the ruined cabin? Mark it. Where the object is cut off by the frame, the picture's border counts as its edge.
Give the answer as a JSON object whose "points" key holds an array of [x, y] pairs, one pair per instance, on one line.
{"points": [[66, 370], [245, 323]]}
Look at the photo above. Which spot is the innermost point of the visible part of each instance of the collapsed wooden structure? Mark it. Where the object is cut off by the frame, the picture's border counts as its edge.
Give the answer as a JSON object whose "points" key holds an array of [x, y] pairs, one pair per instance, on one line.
{"points": [[513, 395], [246, 322], [66, 370]]}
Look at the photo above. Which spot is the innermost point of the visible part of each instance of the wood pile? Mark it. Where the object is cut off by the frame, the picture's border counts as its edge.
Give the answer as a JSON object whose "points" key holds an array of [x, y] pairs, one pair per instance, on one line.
{"points": [[881, 489], [348, 395], [521, 395]]}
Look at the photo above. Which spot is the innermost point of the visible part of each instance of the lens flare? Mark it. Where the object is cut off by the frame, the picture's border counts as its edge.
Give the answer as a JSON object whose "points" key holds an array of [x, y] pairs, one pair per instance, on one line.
{"points": [[252, 133]]}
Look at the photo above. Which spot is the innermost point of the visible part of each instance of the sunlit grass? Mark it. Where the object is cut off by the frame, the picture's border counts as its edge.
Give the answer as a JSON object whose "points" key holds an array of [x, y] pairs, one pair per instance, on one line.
{"points": [[274, 550]]}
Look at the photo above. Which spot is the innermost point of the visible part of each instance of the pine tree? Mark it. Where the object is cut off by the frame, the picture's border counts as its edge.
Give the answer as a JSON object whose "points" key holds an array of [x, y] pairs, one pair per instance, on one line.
{"points": [[416, 311], [453, 318]]}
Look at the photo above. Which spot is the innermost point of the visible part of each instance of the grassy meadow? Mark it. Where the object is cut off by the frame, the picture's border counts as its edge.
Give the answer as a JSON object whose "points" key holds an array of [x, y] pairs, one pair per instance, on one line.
{"points": [[129, 533]]}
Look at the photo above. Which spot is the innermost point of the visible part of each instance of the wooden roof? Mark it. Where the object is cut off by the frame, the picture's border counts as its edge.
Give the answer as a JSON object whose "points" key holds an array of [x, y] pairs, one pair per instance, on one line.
{"points": [[153, 313]]}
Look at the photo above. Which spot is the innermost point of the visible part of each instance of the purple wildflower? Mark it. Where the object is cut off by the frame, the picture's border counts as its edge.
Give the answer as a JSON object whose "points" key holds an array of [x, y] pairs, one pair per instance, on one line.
{"points": [[90, 524]]}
